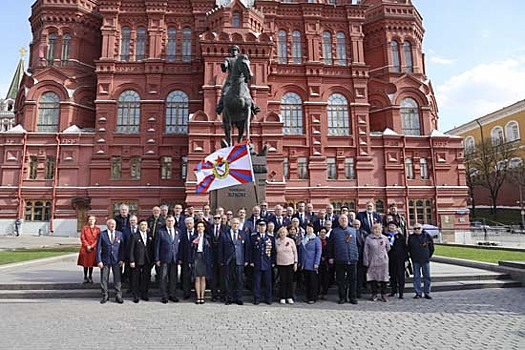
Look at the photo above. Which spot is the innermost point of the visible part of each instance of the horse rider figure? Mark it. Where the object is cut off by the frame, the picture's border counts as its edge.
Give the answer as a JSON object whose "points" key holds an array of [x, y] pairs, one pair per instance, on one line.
{"points": [[226, 66]]}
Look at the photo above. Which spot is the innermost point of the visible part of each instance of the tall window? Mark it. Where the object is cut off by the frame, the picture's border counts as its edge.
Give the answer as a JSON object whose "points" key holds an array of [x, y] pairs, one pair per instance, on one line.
{"points": [[331, 169], [292, 114], [33, 167], [128, 119], [140, 44], [349, 168], [184, 167], [51, 48], [470, 146], [395, 56], [297, 56], [171, 46], [407, 50], [327, 48], [135, 168], [282, 57], [165, 168], [497, 136], [338, 120], [380, 206], [39, 210], [66, 48], [409, 168], [420, 210], [410, 117], [48, 112], [341, 48], [186, 45], [423, 168], [286, 169], [512, 130], [177, 111], [236, 19], [125, 39], [116, 168], [302, 168], [50, 168]]}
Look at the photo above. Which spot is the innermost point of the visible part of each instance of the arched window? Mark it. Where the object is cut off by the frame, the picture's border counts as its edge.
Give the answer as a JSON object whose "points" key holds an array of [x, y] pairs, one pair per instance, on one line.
{"points": [[51, 48], [171, 46], [407, 50], [66, 48], [327, 48], [470, 145], [48, 113], [395, 56], [341, 48], [236, 19], [423, 168], [140, 44], [125, 39], [297, 56], [512, 131], [282, 57], [338, 119], [410, 117], [186, 45], [177, 112], [292, 114], [409, 168], [128, 118], [497, 136]]}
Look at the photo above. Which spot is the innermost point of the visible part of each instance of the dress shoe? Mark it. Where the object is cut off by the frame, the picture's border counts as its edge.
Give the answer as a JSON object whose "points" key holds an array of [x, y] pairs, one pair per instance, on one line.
{"points": [[256, 302], [90, 280], [86, 281], [373, 297], [353, 301], [340, 301], [310, 302], [164, 301], [427, 296], [289, 301], [417, 296], [268, 303], [282, 301], [400, 296], [119, 300], [383, 298], [104, 300], [145, 298], [228, 302], [174, 299], [136, 300], [239, 302]]}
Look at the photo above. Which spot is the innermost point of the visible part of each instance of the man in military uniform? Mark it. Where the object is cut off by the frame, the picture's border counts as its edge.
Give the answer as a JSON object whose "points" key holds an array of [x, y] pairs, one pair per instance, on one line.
{"points": [[262, 260]]}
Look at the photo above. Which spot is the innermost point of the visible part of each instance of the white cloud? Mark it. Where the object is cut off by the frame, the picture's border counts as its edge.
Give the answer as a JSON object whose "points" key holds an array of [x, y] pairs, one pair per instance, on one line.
{"points": [[480, 90], [441, 60]]}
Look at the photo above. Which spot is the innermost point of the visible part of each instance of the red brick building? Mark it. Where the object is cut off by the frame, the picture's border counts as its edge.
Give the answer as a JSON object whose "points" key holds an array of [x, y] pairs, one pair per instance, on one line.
{"points": [[119, 106]]}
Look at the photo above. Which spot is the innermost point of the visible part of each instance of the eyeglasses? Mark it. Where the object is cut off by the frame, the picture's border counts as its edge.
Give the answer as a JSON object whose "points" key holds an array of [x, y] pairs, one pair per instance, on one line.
{"points": [[217, 217], [417, 228], [229, 214]]}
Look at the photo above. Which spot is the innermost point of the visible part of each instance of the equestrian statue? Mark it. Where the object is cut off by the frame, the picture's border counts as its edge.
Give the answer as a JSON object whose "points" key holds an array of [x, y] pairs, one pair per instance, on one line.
{"points": [[236, 104]]}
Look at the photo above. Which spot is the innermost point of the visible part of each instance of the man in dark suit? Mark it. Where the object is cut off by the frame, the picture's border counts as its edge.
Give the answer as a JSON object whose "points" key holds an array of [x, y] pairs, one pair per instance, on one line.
{"points": [[168, 257], [278, 218], [301, 214], [155, 221], [233, 255], [215, 231], [331, 216], [361, 269], [311, 217], [109, 257], [369, 217], [127, 233], [188, 234], [250, 225], [122, 219], [140, 261], [262, 260], [179, 217], [265, 214]]}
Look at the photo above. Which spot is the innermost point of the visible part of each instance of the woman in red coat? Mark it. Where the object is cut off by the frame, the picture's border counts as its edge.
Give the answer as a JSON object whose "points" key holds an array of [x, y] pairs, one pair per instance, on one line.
{"points": [[86, 256]]}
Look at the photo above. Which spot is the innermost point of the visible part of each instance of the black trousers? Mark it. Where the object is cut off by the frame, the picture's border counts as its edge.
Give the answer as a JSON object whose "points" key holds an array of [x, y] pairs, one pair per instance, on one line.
{"points": [[186, 279], [140, 280], [396, 268], [361, 278], [346, 278], [323, 278], [169, 274], [285, 281], [310, 285], [234, 281], [218, 289], [374, 285]]}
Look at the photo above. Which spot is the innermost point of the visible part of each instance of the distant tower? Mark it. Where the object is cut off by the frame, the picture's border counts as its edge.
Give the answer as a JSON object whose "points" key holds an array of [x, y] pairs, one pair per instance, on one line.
{"points": [[7, 113]]}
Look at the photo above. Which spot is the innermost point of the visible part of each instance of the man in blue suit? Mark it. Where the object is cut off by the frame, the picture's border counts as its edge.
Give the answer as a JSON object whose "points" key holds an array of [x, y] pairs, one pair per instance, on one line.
{"points": [[262, 260], [215, 231], [233, 255], [109, 257], [369, 217], [168, 258], [187, 235]]}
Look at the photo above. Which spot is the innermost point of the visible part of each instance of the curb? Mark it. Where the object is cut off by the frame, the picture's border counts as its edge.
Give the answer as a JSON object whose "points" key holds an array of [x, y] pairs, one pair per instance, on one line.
{"points": [[42, 261]]}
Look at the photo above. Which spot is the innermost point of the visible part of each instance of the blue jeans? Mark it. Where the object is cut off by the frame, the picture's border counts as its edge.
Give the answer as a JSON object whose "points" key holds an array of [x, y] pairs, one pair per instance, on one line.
{"points": [[418, 266]]}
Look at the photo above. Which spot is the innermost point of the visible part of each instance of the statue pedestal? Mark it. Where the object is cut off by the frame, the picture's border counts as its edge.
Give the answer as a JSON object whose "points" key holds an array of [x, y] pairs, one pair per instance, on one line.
{"points": [[245, 195]]}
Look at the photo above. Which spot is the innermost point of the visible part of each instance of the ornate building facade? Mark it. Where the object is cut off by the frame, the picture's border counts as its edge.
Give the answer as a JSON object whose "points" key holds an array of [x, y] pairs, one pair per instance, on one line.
{"points": [[119, 106]]}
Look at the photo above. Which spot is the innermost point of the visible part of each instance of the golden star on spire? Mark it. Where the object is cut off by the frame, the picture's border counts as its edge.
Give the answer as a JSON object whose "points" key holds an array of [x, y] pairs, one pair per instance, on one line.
{"points": [[23, 52]]}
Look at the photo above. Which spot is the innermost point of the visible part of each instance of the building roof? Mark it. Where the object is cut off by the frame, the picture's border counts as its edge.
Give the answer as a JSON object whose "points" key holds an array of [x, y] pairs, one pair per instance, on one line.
{"points": [[17, 79]]}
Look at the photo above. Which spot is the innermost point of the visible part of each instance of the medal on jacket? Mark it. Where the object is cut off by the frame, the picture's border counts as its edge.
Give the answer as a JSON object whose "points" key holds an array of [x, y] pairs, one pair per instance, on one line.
{"points": [[268, 247], [348, 238]]}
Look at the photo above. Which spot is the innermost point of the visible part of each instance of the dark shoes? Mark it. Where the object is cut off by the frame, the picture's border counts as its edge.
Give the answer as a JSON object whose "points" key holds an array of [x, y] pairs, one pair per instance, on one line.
{"points": [[174, 299], [90, 280], [119, 300], [164, 301], [145, 298], [383, 298], [353, 301], [373, 297], [136, 300], [239, 302], [104, 300], [400, 296], [86, 281], [256, 302], [340, 301], [427, 296], [417, 296]]}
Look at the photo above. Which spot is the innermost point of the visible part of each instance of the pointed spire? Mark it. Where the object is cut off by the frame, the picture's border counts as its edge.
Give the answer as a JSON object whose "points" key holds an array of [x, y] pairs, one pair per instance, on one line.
{"points": [[17, 77]]}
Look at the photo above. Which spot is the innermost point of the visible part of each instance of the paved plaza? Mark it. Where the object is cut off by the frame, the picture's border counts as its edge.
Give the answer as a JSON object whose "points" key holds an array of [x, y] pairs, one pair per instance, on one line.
{"points": [[477, 319]]}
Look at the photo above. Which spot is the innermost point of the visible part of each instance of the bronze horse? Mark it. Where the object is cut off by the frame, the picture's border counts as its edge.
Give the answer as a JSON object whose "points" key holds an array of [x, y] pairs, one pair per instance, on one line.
{"points": [[237, 100]]}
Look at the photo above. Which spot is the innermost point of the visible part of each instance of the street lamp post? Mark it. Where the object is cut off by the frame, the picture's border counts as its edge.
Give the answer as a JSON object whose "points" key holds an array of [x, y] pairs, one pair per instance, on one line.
{"points": [[522, 210]]}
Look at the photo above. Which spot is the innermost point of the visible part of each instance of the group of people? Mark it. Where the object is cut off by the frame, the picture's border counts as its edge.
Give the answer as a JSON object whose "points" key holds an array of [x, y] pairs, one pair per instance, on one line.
{"points": [[288, 250]]}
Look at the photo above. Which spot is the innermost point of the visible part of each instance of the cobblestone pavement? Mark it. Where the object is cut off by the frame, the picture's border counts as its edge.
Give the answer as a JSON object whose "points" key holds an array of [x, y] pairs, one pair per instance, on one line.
{"points": [[477, 319]]}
